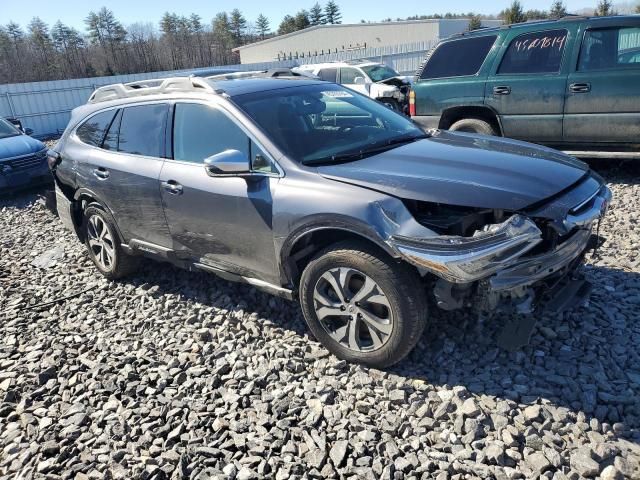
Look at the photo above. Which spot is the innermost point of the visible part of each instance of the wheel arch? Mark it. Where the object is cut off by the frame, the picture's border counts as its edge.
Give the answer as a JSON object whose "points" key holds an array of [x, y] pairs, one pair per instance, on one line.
{"points": [[84, 197], [302, 245], [481, 112]]}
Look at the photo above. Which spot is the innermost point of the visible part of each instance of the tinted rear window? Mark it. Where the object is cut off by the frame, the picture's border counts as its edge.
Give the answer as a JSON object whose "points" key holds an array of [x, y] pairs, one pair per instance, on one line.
{"points": [[539, 52], [458, 58], [610, 48], [92, 131], [142, 130]]}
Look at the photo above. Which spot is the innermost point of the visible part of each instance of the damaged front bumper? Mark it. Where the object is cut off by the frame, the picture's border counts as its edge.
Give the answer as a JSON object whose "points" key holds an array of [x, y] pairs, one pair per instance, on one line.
{"points": [[492, 267]]}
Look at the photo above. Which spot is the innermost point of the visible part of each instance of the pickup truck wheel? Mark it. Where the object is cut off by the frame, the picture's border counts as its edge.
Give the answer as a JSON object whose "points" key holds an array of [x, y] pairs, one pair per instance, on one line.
{"points": [[473, 125], [391, 103], [364, 308], [104, 245]]}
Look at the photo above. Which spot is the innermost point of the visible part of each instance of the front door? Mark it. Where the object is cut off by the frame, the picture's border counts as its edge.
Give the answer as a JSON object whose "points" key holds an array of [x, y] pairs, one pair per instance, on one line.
{"points": [[603, 102], [348, 77], [527, 85], [224, 222]]}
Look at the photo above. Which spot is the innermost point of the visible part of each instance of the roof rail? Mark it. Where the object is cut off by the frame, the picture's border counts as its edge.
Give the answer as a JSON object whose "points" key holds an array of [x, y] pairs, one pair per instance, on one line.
{"points": [[149, 87]]}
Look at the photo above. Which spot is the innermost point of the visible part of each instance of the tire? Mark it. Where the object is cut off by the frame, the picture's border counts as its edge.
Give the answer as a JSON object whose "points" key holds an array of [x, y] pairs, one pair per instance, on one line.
{"points": [[100, 233], [473, 125], [392, 104], [397, 301]]}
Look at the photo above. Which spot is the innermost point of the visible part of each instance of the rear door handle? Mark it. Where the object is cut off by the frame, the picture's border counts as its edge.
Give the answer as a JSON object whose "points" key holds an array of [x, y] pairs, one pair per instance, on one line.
{"points": [[172, 187], [580, 87], [502, 90], [101, 173]]}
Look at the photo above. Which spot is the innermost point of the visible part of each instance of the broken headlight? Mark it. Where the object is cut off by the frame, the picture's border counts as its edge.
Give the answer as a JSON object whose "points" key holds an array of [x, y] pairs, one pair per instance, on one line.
{"points": [[465, 259]]}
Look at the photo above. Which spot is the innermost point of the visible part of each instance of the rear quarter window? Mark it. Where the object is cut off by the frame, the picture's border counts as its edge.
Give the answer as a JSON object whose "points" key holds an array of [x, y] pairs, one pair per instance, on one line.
{"points": [[92, 131], [458, 58]]}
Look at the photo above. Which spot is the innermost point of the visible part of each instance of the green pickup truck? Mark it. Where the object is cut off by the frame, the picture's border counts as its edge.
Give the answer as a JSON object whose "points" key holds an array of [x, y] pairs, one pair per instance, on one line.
{"points": [[572, 83]]}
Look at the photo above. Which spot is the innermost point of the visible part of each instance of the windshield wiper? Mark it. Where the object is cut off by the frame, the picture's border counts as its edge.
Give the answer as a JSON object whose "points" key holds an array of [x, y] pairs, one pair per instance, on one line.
{"points": [[372, 150]]}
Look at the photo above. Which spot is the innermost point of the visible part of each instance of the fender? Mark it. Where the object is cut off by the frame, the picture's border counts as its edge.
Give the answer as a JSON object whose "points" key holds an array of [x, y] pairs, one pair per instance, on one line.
{"points": [[479, 106], [318, 223], [83, 191]]}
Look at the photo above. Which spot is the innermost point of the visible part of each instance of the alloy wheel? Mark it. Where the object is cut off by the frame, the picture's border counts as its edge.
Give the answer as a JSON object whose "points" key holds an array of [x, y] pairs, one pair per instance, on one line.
{"points": [[100, 241], [353, 309]]}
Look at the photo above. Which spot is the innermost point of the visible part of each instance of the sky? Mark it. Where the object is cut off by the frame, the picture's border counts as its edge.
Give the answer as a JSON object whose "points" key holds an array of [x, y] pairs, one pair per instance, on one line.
{"points": [[73, 12]]}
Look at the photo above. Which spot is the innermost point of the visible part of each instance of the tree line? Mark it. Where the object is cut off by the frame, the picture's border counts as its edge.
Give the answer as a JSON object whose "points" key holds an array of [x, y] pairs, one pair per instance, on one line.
{"points": [[106, 47]]}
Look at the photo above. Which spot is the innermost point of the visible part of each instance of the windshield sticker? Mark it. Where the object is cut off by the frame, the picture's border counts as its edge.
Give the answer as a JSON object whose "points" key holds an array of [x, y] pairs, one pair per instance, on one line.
{"points": [[337, 94]]}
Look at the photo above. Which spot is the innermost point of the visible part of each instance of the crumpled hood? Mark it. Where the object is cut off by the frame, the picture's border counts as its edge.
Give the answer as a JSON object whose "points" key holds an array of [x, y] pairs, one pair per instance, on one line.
{"points": [[19, 145], [396, 81], [465, 170]]}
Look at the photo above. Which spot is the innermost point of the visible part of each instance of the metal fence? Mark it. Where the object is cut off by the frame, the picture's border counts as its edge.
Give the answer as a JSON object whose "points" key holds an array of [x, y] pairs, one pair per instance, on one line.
{"points": [[45, 107]]}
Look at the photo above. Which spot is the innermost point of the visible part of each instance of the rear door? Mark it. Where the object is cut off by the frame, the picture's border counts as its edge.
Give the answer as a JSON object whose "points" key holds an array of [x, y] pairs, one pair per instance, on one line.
{"points": [[124, 172], [527, 84], [603, 102]]}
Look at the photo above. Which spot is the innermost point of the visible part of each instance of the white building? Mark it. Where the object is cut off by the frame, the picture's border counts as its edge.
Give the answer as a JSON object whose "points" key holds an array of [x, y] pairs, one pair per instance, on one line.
{"points": [[323, 39]]}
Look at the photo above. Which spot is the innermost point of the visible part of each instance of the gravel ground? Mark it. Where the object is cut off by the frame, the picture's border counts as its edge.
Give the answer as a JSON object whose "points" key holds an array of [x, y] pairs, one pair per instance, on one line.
{"points": [[171, 374]]}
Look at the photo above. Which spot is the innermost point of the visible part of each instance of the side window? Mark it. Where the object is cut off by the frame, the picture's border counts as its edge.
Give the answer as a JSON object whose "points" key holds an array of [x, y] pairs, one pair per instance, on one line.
{"points": [[458, 58], [259, 161], [142, 130], [610, 48], [539, 52], [92, 131], [328, 74], [200, 131], [348, 75]]}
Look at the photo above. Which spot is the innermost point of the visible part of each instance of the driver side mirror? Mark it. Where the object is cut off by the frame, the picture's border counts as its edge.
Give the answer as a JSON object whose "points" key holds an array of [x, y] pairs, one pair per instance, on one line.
{"points": [[229, 162], [28, 131], [360, 81]]}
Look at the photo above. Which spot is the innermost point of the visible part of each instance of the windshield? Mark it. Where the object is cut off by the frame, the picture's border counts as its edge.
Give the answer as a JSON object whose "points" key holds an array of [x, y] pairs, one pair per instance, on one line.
{"points": [[323, 124], [7, 130], [378, 73]]}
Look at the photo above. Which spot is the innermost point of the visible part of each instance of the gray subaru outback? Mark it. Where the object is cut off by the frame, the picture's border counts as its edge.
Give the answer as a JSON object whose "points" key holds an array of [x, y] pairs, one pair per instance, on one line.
{"points": [[311, 191]]}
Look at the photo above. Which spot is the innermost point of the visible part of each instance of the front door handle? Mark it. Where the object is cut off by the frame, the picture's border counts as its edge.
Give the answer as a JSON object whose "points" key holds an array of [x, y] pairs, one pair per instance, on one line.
{"points": [[580, 87], [502, 90], [101, 173], [172, 187]]}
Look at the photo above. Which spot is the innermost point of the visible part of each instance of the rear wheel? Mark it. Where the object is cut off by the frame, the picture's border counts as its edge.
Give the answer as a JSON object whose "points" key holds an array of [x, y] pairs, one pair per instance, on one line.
{"points": [[363, 306], [474, 125], [104, 246]]}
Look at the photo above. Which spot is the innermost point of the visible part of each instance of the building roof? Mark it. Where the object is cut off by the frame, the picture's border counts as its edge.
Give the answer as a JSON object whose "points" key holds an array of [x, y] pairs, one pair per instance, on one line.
{"points": [[343, 25]]}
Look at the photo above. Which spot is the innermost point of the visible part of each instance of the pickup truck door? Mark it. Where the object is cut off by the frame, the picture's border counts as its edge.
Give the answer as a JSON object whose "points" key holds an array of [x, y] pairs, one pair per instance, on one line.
{"points": [[222, 222], [603, 91], [527, 85], [348, 76]]}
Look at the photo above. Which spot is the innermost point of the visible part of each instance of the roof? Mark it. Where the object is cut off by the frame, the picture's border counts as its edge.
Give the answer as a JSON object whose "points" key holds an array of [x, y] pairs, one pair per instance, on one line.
{"points": [[536, 23], [253, 85], [344, 25], [337, 63]]}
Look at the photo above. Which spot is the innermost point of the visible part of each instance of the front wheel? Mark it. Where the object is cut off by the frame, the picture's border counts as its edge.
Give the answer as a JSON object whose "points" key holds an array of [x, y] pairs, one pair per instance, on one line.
{"points": [[391, 103], [362, 305]]}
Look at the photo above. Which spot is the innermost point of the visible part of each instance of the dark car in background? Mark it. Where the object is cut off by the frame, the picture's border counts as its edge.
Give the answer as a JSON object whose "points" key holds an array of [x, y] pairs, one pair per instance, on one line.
{"points": [[572, 83], [23, 159]]}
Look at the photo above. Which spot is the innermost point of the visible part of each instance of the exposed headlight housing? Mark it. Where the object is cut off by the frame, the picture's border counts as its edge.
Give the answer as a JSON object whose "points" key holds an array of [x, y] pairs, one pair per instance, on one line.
{"points": [[466, 259]]}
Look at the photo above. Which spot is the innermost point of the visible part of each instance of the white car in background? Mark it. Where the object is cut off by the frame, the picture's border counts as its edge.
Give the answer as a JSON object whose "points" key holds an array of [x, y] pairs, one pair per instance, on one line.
{"points": [[375, 80]]}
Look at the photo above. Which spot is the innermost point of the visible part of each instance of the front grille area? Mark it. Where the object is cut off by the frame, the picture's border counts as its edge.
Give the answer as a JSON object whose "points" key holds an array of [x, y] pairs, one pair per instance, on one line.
{"points": [[27, 162]]}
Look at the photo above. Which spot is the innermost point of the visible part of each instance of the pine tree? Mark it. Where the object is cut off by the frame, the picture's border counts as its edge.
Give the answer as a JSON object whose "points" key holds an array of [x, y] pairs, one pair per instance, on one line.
{"points": [[604, 8], [288, 25], [475, 23], [316, 15], [262, 24], [302, 20], [238, 25], [514, 14], [332, 13], [558, 9]]}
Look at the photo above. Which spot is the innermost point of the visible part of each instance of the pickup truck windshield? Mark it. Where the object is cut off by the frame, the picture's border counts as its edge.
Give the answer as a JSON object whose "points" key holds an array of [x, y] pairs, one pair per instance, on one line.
{"points": [[378, 73], [324, 124], [7, 130]]}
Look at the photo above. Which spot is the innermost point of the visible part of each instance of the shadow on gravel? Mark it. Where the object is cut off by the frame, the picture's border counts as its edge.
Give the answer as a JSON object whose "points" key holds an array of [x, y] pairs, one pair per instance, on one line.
{"points": [[625, 172]]}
